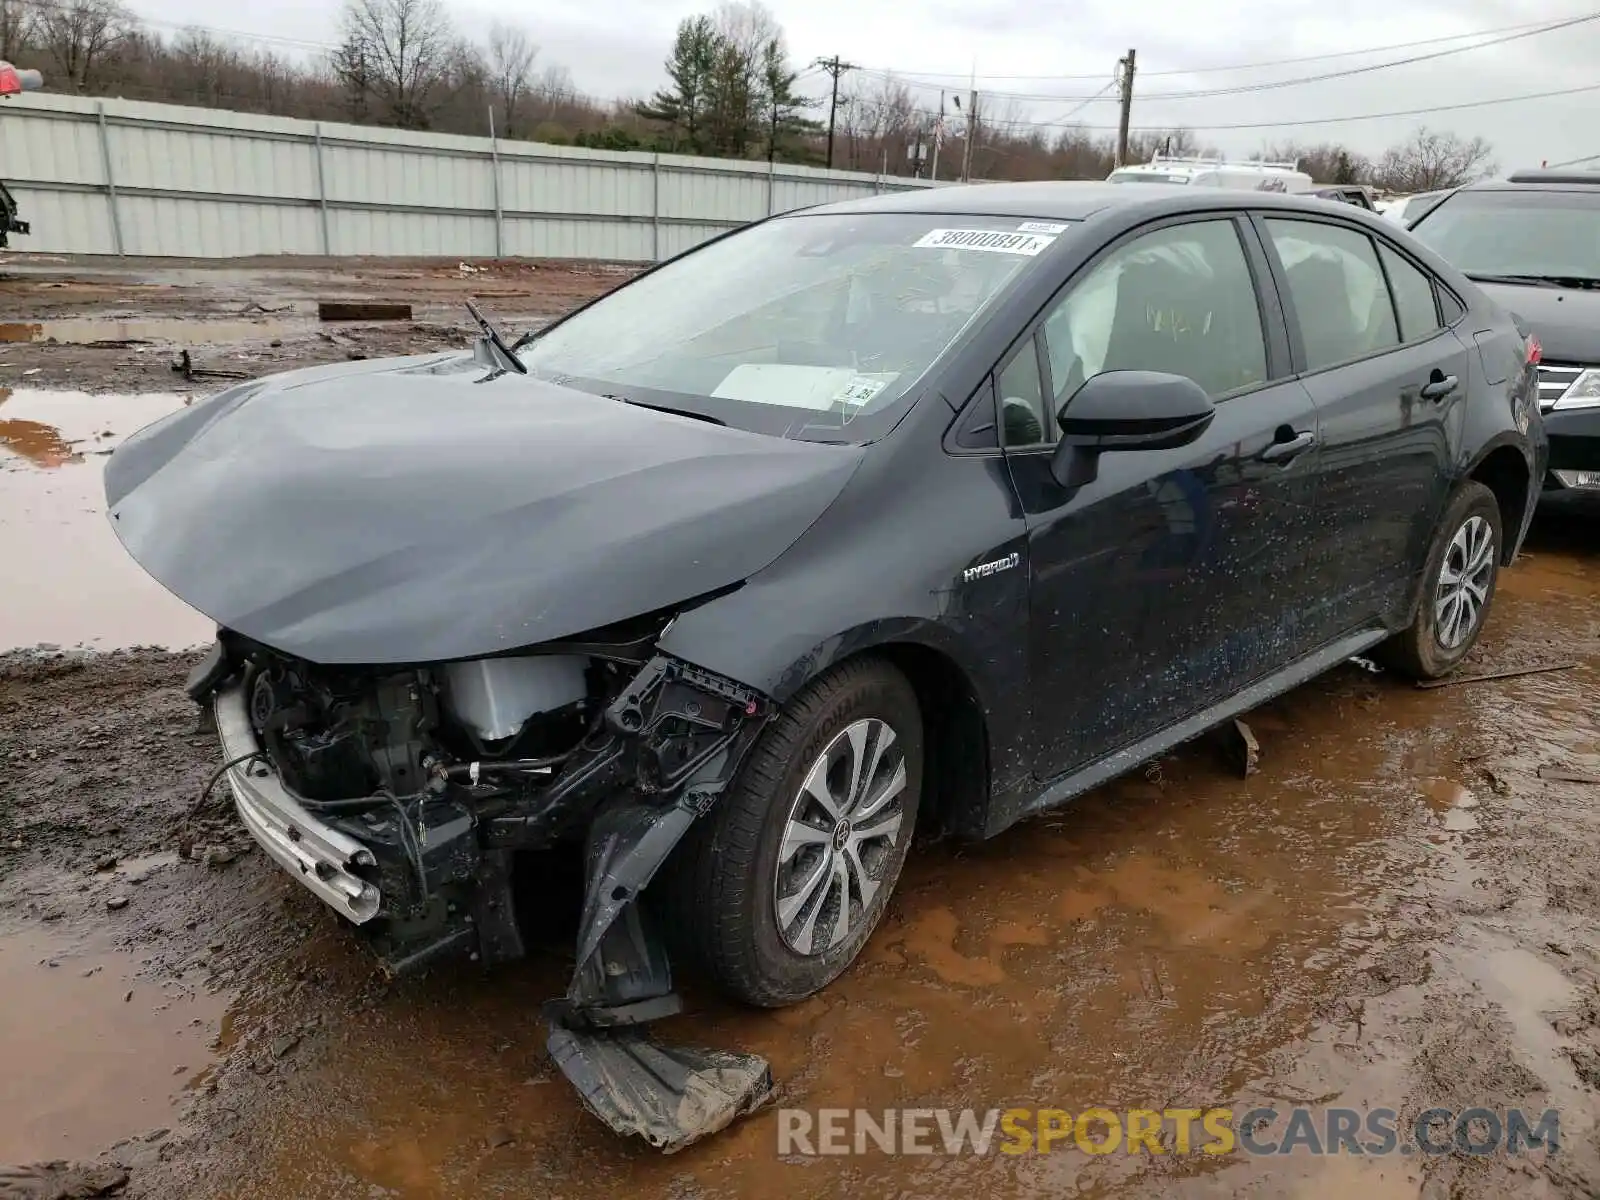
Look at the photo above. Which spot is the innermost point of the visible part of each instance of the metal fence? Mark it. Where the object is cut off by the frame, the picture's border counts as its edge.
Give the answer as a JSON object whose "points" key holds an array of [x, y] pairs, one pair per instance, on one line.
{"points": [[125, 177]]}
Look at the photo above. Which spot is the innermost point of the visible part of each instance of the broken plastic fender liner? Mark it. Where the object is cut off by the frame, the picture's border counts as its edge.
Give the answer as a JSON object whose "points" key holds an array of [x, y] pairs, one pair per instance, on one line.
{"points": [[671, 1096]]}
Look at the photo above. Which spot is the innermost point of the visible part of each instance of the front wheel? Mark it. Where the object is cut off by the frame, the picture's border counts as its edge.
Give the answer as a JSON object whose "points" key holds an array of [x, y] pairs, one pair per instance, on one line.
{"points": [[778, 888], [1458, 585]]}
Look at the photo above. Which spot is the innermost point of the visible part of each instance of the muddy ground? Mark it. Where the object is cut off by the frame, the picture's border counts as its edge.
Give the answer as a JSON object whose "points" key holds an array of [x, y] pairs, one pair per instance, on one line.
{"points": [[1399, 910], [108, 325]]}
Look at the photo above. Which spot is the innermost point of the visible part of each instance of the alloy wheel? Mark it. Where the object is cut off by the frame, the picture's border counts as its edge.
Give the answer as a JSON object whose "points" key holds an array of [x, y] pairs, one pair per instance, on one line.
{"points": [[1464, 578], [842, 830]]}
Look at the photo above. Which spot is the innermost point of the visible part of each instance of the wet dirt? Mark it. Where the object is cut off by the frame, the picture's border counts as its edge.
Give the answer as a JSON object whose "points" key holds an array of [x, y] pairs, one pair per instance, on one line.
{"points": [[119, 334], [1325, 932], [96, 1054], [1395, 911], [68, 580], [118, 325]]}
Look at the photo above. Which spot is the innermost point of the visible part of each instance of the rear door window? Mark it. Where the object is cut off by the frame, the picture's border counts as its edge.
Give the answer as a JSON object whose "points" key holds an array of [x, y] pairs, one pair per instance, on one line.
{"points": [[1340, 296], [1414, 298]]}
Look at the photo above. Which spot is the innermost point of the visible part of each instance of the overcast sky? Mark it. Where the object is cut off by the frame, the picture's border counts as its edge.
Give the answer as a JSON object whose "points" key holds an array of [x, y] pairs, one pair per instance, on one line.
{"points": [[616, 47]]}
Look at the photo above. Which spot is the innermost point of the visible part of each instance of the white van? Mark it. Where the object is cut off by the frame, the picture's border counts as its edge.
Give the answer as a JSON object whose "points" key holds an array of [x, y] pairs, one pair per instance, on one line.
{"points": [[1258, 175]]}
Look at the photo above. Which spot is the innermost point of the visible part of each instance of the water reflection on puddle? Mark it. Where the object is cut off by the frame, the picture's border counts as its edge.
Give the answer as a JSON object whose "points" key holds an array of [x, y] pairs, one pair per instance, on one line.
{"points": [[92, 1054], [69, 581]]}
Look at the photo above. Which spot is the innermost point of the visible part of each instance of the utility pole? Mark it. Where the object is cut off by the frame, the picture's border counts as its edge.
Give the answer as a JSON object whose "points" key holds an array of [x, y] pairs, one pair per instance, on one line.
{"points": [[1125, 73], [938, 139], [835, 67], [972, 126]]}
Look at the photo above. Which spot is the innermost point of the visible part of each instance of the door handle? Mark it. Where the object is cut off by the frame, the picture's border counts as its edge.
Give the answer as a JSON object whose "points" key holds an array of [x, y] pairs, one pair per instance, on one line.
{"points": [[1439, 385], [1283, 451]]}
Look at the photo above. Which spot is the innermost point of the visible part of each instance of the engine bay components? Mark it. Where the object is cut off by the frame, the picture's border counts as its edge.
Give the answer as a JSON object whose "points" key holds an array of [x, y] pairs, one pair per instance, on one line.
{"points": [[495, 697]]}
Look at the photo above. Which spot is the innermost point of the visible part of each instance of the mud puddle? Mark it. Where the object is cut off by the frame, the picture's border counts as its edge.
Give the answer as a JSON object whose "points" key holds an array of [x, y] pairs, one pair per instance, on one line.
{"points": [[1180, 938], [93, 1054], [69, 581], [113, 332], [1331, 931]]}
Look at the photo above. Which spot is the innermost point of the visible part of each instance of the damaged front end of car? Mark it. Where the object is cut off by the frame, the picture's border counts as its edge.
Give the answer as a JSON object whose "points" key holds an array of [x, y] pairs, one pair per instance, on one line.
{"points": [[401, 796]]}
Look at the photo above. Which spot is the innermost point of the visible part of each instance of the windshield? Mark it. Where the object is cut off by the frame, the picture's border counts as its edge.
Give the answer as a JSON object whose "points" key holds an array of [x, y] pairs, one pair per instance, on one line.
{"points": [[814, 327], [1533, 233], [1145, 177]]}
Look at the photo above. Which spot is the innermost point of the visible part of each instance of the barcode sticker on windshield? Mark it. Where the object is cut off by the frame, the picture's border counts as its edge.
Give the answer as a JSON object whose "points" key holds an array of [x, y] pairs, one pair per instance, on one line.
{"points": [[860, 389], [1041, 227], [1027, 244]]}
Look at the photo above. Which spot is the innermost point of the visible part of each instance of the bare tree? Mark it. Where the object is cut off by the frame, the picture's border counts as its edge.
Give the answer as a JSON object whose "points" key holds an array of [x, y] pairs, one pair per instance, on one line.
{"points": [[743, 29], [401, 51], [79, 36], [511, 55], [1431, 160], [875, 114], [1328, 162], [16, 29]]}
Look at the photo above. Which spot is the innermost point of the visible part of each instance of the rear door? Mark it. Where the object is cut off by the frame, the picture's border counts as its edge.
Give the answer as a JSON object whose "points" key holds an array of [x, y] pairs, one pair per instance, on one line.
{"points": [[1388, 380], [1177, 576]]}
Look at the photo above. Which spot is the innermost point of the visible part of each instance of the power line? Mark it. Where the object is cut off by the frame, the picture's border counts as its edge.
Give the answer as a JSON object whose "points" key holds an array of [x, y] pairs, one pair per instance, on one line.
{"points": [[1252, 66], [1371, 67], [1300, 81], [1573, 162], [1100, 95], [1380, 116]]}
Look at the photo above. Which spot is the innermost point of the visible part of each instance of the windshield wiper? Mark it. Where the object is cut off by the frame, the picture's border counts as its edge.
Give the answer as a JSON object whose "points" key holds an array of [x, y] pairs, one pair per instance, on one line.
{"points": [[1555, 281], [492, 336], [530, 336]]}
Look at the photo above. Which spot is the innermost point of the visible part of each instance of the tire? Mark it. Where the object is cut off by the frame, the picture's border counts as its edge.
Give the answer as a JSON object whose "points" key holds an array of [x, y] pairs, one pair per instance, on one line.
{"points": [[1436, 641], [726, 883]]}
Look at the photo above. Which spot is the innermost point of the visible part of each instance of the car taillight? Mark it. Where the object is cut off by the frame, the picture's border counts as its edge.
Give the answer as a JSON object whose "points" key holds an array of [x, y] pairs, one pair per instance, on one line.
{"points": [[1535, 351]]}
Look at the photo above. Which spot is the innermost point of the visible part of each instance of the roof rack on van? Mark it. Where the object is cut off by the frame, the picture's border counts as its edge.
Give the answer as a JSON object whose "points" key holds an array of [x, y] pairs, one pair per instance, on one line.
{"points": [[1185, 160], [1175, 160]]}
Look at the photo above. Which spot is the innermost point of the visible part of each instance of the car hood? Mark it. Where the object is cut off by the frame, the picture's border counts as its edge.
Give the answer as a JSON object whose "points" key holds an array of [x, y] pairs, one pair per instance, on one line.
{"points": [[412, 511], [1566, 321]]}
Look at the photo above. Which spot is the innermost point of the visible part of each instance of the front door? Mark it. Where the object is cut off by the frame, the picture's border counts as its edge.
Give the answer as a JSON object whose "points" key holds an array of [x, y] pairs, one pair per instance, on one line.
{"points": [[1177, 576], [1388, 380]]}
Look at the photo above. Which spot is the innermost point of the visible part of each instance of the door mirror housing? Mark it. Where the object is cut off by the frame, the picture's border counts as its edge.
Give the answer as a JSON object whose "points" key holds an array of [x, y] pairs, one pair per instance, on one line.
{"points": [[1127, 410]]}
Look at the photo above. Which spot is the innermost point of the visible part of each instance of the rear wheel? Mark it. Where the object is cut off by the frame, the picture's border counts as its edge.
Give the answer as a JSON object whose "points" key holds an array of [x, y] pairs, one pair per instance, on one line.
{"points": [[1458, 585], [776, 891]]}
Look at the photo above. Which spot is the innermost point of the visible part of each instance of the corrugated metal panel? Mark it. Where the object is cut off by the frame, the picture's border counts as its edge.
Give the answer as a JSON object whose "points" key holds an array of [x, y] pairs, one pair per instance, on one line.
{"points": [[201, 182]]}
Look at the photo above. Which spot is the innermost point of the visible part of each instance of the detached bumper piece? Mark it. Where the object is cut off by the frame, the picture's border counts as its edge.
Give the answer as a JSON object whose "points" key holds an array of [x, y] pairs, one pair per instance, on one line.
{"points": [[669, 1096]]}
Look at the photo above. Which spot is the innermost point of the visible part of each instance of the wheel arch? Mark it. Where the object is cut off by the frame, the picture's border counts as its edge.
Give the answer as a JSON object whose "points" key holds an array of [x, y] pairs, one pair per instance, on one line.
{"points": [[955, 734], [955, 703], [1503, 468]]}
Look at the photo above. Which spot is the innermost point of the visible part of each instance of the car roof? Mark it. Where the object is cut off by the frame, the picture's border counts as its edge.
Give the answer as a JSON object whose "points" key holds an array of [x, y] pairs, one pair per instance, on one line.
{"points": [[1547, 179], [1071, 200]]}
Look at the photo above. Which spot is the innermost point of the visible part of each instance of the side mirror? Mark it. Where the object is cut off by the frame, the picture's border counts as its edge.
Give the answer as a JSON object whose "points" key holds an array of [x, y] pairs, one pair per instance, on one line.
{"points": [[1127, 410]]}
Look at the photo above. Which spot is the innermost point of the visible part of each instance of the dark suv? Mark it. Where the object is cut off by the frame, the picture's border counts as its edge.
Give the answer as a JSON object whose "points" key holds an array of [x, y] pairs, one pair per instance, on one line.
{"points": [[1532, 241]]}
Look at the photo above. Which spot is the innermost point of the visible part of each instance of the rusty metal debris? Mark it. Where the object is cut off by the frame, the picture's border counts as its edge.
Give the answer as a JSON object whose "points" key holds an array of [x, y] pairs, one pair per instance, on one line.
{"points": [[185, 367], [362, 310], [1563, 775], [1511, 673], [1247, 751]]}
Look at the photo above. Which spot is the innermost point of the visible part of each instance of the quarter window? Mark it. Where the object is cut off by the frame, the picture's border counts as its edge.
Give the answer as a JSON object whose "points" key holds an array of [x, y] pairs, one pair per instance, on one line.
{"points": [[1341, 301], [1179, 300], [1020, 391], [1413, 296]]}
